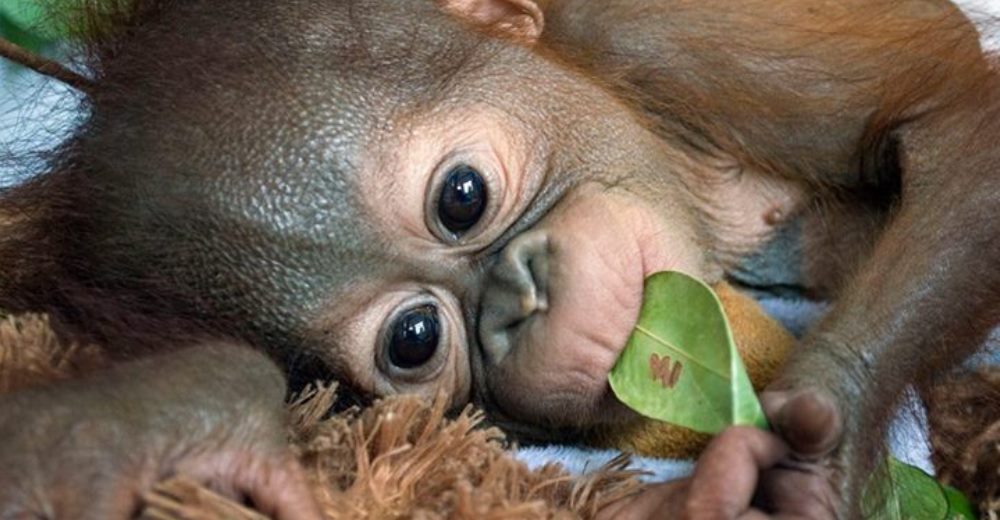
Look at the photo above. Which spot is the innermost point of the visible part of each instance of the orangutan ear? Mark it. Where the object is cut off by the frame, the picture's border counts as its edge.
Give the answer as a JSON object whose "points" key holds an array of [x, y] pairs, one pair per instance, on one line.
{"points": [[520, 20]]}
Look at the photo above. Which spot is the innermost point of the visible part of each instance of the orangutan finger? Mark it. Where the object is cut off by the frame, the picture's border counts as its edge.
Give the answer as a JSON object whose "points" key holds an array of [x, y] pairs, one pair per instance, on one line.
{"points": [[726, 475], [280, 490], [807, 420], [796, 492]]}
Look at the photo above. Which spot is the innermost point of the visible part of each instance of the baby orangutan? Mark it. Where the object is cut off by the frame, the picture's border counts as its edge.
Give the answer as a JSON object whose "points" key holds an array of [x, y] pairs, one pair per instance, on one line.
{"points": [[465, 196]]}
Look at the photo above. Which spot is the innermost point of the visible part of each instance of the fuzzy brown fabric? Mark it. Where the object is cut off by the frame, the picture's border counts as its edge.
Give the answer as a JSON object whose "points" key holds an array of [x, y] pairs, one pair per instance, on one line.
{"points": [[403, 458]]}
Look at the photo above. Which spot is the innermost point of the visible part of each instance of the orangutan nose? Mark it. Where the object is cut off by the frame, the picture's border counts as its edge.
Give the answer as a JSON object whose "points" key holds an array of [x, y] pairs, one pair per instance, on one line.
{"points": [[515, 290]]}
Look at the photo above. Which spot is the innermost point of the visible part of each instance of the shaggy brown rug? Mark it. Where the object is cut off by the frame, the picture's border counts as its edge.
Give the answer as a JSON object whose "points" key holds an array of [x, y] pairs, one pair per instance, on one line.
{"points": [[403, 458]]}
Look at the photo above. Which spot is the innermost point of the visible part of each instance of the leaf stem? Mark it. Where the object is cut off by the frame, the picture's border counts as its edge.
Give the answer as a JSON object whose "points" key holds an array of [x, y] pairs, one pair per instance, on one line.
{"points": [[44, 66]]}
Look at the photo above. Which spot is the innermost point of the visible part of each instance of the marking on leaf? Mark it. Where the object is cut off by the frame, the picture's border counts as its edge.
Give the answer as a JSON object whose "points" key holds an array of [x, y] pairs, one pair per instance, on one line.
{"points": [[665, 370]]}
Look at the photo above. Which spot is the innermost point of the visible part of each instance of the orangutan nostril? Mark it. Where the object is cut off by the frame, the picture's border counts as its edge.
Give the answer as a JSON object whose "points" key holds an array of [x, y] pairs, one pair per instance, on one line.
{"points": [[516, 289]]}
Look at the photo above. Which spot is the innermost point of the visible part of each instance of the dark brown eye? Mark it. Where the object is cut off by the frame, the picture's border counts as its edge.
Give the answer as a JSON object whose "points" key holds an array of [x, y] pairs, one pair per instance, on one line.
{"points": [[463, 199], [414, 337]]}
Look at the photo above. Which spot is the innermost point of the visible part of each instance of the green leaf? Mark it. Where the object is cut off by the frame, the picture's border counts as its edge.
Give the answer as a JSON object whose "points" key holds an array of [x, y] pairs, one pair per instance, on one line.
{"points": [[14, 34], [681, 364], [26, 14], [912, 494], [959, 507], [28, 23]]}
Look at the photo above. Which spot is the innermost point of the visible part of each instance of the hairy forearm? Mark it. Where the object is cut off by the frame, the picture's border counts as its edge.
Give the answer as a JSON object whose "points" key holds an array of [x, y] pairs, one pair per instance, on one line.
{"points": [[929, 294], [211, 393]]}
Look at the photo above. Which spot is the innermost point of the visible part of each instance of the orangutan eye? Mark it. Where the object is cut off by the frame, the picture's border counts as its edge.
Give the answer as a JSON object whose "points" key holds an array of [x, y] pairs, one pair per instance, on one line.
{"points": [[463, 199], [414, 337]]}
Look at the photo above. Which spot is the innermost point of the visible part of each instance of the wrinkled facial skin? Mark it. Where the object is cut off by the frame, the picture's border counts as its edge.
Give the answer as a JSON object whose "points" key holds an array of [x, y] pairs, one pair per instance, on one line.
{"points": [[560, 240], [317, 225], [566, 232]]}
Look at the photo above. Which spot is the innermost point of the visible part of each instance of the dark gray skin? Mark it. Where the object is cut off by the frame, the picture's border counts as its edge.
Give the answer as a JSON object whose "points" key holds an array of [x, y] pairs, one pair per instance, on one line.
{"points": [[270, 174]]}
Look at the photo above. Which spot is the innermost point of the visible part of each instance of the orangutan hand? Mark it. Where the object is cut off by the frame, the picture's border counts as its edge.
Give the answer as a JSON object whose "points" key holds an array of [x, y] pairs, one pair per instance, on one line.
{"points": [[743, 474], [90, 448]]}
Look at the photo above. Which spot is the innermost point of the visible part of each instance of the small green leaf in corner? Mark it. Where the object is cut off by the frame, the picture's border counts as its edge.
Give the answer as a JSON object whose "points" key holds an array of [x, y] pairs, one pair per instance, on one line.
{"points": [[911, 494], [959, 507]]}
